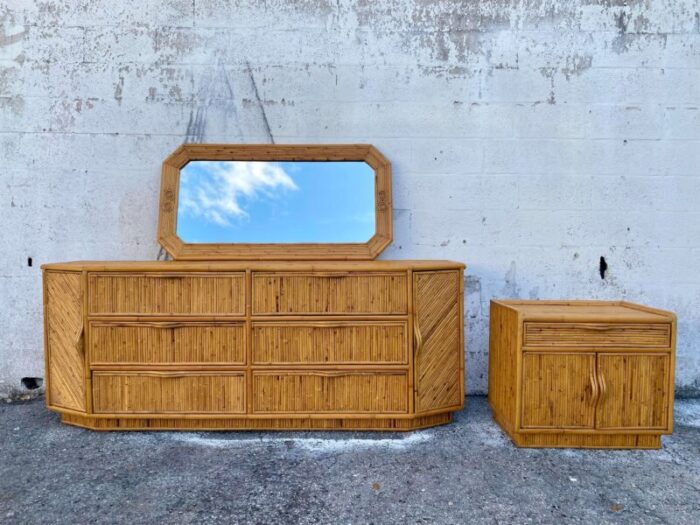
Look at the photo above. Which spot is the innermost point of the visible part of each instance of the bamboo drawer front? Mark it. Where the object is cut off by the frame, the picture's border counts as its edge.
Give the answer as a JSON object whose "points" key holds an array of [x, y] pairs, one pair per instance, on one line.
{"points": [[638, 335], [318, 392], [318, 343], [582, 374], [167, 343], [168, 393], [167, 294], [339, 293], [375, 345]]}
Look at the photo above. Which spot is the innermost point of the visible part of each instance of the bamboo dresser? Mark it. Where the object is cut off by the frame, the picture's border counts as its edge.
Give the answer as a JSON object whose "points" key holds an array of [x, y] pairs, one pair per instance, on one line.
{"points": [[264, 345], [582, 374]]}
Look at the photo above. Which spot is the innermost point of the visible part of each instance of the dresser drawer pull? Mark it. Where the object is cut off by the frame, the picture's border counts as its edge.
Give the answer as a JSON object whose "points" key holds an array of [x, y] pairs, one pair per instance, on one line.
{"points": [[339, 373], [419, 340], [80, 340], [173, 375], [165, 325], [332, 274]]}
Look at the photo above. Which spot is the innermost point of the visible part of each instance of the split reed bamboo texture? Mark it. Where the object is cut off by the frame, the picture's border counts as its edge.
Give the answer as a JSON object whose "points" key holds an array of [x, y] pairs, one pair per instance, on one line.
{"points": [[327, 347]]}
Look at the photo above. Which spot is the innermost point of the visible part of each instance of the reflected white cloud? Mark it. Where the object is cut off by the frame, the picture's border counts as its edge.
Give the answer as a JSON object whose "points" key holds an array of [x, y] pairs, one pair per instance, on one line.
{"points": [[214, 190]]}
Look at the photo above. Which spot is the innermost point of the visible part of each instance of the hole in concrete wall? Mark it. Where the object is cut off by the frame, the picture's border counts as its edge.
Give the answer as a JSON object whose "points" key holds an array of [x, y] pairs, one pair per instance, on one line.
{"points": [[603, 267], [29, 261], [32, 383]]}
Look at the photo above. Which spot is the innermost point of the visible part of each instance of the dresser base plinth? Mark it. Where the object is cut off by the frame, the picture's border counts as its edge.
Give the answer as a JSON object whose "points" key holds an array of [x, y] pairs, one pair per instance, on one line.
{"points": [[383, 424], [610, 441]]}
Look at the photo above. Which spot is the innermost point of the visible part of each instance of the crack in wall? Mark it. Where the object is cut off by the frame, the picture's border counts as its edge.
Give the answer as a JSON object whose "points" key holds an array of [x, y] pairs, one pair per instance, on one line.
{"points": [[196, 126], [260, 104]]}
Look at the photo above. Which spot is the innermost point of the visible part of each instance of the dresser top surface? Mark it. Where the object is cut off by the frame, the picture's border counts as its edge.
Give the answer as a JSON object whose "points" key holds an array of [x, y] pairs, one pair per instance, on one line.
{"points": [[279, 266], [587, 311]]}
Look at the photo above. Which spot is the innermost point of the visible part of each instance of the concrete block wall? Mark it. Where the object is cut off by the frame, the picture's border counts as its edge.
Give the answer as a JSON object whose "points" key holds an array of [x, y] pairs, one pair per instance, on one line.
{"points": [[528, 137]]}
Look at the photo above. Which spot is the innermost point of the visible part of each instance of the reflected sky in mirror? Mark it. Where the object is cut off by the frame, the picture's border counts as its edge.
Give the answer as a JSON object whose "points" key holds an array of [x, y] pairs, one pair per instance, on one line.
{"points": [[276, 202]]}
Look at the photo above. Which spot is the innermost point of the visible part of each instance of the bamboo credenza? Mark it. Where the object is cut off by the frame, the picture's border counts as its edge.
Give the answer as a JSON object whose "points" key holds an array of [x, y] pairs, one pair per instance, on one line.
{"points": [[588, 374], [254, 345]]}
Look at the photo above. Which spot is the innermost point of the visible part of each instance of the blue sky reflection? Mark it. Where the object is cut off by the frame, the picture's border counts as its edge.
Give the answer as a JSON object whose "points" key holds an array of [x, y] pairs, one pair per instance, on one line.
{"points": [[276, 202]]}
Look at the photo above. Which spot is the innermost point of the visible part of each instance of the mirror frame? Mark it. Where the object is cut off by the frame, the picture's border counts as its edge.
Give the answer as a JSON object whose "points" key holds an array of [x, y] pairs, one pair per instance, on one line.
{"points": [[170, 184]]}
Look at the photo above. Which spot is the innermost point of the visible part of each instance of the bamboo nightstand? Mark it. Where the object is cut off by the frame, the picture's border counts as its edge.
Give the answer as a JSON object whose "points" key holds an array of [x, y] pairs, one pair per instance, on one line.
{"points": [[585, 374]]}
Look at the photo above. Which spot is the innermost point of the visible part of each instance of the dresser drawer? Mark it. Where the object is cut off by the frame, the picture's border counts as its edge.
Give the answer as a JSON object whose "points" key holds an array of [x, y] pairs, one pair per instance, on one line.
{"points": [[329, 342], [168, 393], [164, 294], [330, 392], [164, 343], [633, 335], [330, 293]]}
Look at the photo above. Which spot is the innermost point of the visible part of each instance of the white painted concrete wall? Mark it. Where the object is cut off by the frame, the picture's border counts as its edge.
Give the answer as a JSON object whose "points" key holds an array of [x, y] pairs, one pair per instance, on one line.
{"points": [[528, 138]]}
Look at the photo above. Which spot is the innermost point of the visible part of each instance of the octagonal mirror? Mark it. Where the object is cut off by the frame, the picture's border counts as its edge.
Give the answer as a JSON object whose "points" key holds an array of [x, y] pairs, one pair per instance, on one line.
{"points": [[275, 202]]}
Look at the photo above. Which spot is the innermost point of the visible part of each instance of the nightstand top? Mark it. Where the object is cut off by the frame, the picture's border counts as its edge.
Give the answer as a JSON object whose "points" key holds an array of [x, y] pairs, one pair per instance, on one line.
{"points": [[586, 311]]}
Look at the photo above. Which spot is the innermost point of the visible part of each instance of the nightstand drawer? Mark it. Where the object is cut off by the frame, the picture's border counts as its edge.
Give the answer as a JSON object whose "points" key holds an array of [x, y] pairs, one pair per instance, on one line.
{"points": [[632, 335], [330, 293], [166, 293]]}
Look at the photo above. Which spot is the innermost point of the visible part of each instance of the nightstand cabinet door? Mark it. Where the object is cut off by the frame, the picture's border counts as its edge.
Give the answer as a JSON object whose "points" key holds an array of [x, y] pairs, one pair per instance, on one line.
{"points": [[634, 391], [558, 390]]}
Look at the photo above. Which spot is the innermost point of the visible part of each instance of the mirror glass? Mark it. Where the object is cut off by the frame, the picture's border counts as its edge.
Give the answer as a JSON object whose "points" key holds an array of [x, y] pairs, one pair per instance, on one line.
{"points": [[276, 202]]}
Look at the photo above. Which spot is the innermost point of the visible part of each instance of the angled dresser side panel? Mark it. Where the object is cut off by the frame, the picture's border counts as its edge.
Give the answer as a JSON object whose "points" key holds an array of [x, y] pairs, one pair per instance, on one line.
{"points": [[64, 339], [438, 352]]}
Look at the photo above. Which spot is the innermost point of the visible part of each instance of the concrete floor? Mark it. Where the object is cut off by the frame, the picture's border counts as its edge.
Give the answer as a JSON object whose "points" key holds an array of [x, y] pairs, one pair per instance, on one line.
{"points": [[464, 472]]}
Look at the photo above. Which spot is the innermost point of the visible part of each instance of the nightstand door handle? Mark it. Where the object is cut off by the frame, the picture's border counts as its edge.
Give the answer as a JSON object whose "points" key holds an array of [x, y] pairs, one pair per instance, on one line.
{"points": [[419, 340], [594, 389], [603, 387]]}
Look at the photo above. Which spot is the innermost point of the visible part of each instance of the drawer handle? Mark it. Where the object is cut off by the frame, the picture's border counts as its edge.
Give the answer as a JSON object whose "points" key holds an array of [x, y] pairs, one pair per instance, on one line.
{"points": [[339, 373], [597, 328], [80, 340], [594, 389], [159, 374], [174, 374], [603, 387], [164, 374], [419, 340], [167, 325], [317, 274]]}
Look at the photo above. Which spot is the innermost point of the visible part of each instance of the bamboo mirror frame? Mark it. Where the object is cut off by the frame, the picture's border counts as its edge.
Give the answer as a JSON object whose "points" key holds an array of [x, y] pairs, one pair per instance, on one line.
{"points": [[180, 250]]}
